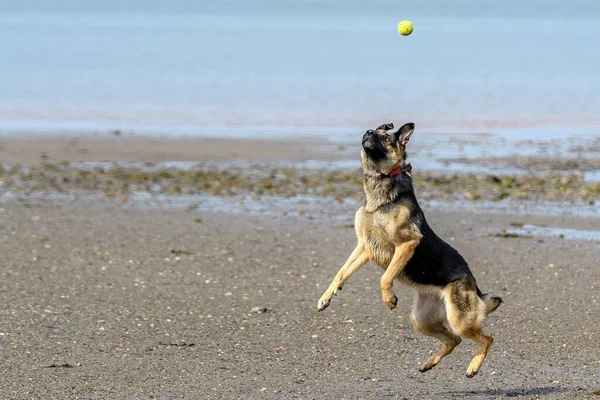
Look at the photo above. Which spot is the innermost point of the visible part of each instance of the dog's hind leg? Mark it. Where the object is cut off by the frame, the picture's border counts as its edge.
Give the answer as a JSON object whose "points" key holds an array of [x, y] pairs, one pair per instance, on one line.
{"points": [[465, 312], [428, 317], [357, 259]]}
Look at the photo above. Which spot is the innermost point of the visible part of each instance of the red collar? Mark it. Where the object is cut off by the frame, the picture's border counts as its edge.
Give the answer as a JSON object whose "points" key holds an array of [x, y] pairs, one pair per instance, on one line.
{"points": [[405, 168]]}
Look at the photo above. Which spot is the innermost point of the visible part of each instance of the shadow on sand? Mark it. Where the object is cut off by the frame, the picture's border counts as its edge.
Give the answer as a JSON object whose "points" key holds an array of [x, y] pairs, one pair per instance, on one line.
{"points": [[516, 392]]}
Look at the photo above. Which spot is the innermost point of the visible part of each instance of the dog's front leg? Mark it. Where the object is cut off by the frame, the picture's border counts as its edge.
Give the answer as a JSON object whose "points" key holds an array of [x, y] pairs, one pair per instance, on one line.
{"points": [[357, 259], [402, 254]]}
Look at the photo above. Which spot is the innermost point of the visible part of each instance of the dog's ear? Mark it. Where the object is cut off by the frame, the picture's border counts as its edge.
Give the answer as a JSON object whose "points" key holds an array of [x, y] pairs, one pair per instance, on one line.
{"points": [[386, 127], [405, 132]]}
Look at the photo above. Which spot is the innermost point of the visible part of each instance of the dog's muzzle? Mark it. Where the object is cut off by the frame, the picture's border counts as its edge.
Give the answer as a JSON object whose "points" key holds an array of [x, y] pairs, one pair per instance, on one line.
{"points": [[368, 139]]}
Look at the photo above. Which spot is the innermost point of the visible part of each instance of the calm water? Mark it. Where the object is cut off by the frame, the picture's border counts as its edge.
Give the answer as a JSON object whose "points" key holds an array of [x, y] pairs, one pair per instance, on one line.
{"points": [[140, 64]]}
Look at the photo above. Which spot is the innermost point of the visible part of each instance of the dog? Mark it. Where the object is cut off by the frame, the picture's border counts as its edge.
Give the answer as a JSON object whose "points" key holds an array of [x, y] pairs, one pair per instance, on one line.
{"points": [[392, 232]]}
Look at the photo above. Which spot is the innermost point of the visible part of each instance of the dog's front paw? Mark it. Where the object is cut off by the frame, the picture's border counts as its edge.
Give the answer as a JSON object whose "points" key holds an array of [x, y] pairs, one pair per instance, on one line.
{"points": [[324, 301], [390, 299]]}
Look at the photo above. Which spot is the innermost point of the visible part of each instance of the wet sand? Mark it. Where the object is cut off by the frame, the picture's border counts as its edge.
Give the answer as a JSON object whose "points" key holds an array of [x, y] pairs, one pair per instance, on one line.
{"points": [[303, 167], [108, 147], [104, 297]]}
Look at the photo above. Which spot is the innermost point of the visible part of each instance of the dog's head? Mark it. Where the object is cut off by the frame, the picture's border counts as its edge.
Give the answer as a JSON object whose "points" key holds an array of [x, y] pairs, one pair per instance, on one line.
{"points": [[383, 151]]}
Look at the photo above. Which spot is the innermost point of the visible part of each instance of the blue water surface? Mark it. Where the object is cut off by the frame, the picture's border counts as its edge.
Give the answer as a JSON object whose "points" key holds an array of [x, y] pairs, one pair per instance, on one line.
{"points": [[472, 64]]}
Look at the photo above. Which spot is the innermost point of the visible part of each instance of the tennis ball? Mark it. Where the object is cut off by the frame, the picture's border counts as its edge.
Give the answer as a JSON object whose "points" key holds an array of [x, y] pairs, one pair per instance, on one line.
{"points": [[405, 28]]}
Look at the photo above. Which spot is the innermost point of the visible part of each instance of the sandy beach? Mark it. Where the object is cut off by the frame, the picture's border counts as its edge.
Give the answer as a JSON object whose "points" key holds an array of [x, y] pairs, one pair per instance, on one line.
{"points": [[115, 294]]}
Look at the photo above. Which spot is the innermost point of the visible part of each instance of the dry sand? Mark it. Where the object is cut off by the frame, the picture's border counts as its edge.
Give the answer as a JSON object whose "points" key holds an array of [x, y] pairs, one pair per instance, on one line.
{"points": [[92, 308], [105, 300]]}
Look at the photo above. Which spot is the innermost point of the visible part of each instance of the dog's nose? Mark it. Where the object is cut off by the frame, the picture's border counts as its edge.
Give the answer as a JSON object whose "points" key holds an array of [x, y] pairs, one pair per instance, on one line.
{"points": [[369, 132]]}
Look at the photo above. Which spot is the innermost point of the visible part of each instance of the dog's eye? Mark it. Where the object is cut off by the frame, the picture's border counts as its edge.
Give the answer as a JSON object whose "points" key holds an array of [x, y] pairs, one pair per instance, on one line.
{"points": [[387, 138]]}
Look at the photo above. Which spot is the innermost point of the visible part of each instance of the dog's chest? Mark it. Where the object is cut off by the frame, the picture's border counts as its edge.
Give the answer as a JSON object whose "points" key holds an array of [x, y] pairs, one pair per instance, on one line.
{"points": [[395, 228], [383, 231], [383, 227], [379, 240]]}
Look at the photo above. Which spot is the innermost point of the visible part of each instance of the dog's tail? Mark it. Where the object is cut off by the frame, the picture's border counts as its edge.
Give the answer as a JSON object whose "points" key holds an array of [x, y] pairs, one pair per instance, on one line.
{"points": [[491, 302]]}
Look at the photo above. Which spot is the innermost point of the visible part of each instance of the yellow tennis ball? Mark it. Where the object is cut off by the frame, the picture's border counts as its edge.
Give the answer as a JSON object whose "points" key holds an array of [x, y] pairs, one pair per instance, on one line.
{"points": [[405, 28]]}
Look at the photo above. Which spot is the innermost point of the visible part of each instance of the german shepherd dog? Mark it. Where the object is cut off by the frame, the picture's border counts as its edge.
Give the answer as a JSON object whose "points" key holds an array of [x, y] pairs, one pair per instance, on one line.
{"points": [[392, 232]]}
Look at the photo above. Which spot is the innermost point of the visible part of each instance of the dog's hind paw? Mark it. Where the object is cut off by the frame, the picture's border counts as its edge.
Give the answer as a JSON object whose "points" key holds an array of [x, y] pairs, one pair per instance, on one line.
{"points": [[472, 371], [425, 368]]}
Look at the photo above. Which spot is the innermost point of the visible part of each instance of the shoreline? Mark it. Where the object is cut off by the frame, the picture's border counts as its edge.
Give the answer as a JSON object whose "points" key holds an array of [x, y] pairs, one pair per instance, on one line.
{"points": [[195, 128]]}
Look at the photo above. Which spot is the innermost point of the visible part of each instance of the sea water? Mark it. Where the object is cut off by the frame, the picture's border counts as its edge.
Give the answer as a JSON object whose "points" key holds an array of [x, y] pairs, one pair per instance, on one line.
{"points": [[187, 66]]}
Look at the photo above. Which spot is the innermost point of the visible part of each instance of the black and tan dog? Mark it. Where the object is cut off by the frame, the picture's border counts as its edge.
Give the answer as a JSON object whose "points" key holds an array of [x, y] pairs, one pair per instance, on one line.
{"points": [[392, 231]]}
